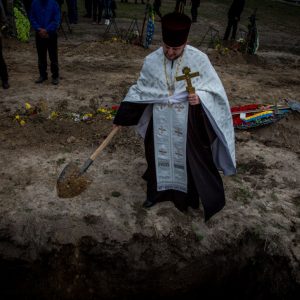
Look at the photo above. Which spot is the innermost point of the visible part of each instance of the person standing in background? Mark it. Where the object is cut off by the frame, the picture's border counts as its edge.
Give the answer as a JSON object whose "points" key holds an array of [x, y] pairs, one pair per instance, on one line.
{"points": [[88, 7], [234, 15], [107, 11], [194, 9], [156, 7], [97, 11], [3, 68], [72, 11], [45, 18]]}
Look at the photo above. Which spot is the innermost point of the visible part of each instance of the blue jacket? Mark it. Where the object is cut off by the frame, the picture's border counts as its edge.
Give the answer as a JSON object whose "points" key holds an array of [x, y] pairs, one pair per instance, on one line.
{"points": [[45, 14]]}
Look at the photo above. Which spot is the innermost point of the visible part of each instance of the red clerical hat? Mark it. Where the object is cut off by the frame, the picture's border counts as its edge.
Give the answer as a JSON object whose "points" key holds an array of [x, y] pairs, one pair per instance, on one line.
{"points": [[175, 29]]}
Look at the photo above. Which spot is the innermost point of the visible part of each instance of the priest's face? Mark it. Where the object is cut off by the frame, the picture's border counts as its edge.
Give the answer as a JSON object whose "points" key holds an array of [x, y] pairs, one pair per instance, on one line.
{"points": [[172, 53]]}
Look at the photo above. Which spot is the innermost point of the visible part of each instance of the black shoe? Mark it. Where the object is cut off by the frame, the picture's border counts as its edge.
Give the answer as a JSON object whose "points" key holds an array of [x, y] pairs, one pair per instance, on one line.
{"points": [[41, 79], [5, 85], [55, 81], [148, 204]]}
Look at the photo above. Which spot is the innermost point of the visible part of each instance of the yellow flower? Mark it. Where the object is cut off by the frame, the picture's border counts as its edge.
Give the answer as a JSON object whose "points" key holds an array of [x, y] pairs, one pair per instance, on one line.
{"points": [[87, 116], [22, 122], [27, 106], [109, 117], [17, 117], [101, 110], [53, 115]]}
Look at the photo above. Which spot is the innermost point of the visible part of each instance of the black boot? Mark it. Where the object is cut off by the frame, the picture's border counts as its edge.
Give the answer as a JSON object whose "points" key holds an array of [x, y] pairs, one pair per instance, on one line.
{"points": [[41, 79], [148, 203]]}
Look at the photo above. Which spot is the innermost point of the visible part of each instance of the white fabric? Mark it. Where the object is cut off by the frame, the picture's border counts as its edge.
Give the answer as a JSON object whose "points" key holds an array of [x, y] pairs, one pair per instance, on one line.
{"points": [[151, 87], [170, 133]]}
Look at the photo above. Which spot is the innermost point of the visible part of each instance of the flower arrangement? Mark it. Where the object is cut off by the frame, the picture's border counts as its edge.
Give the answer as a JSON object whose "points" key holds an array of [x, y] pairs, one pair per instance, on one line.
{"points": [[221, 49], [109, 113], [28, 111]]}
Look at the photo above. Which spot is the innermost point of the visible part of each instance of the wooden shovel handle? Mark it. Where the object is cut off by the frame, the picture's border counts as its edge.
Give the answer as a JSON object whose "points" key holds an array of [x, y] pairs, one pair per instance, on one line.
{"points": [[104, 143]]}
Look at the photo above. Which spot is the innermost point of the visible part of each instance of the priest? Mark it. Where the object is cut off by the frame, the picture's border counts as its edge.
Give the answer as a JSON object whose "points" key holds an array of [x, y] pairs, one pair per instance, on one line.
{"points": [[186, 124]]}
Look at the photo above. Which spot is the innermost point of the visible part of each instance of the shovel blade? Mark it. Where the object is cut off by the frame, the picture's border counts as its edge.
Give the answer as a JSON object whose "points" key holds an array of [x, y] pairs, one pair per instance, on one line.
{"points": [[70, 183]]}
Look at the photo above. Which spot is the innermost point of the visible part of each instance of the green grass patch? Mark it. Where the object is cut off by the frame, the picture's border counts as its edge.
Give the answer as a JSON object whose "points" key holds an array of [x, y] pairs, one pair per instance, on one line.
{"points": [[242, 194]]}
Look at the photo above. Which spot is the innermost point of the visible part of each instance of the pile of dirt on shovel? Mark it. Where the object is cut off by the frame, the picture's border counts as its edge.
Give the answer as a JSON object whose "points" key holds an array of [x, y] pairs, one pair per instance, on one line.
{"points": [[70, 184]]}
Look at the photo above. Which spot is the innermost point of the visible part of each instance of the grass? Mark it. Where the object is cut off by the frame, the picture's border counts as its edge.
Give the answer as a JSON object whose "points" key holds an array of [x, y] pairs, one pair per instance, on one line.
{"points": [[197, 232], [60, 161], [274, 197], [116, 194], [243, 194]]}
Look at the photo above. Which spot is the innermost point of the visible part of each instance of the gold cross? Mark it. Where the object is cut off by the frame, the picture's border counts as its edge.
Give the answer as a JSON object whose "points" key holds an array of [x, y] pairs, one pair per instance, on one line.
{"points": [[187, 76]]}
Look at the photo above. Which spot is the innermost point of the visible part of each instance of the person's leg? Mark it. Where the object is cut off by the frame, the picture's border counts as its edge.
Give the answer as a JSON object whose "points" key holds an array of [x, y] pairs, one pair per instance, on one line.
{"points": [[95, 10], [41, 47], [70, 13], [194, 12], [89, 8], [193, 196], [100, 10], [156, 7], [177, 5], [53, 55], [228, 29], [3, 69], [113, 8], [75, 11], [234, 29], [106, 4]]}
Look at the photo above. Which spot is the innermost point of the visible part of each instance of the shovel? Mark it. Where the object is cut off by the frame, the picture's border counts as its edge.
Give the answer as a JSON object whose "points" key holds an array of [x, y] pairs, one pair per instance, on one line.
{"points": [[72, 181]]}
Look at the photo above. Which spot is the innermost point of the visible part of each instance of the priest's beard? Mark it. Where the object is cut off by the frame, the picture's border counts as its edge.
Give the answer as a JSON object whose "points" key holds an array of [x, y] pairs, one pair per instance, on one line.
{"points": [[173, 53]]}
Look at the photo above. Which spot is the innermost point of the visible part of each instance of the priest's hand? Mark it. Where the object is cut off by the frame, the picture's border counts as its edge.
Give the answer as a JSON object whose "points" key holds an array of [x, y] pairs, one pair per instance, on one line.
{"points": [[115, 125], [193, 99]]}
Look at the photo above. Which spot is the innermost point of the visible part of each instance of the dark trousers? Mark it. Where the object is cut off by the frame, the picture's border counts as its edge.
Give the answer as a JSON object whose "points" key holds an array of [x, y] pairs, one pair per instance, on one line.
{"points": [[232, 24], [194, 12], [44, 45], [72, 11], [97, 10], [180, 5], [107, 9], [156, 7], [3, 68], [88, 7]]}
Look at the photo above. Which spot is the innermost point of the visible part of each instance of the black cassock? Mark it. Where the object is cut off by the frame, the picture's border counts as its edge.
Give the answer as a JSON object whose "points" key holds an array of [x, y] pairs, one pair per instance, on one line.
{"points": [[204, 180]]}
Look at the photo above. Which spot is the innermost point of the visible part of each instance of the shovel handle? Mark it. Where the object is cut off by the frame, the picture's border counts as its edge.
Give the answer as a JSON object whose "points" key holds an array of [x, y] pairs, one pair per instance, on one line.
{"points": [[104, 143]]}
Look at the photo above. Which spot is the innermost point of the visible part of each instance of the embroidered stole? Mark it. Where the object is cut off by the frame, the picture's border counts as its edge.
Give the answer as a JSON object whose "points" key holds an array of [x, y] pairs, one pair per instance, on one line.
{"points": [[170, 134]]}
